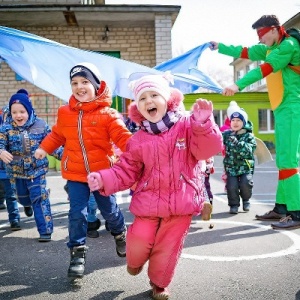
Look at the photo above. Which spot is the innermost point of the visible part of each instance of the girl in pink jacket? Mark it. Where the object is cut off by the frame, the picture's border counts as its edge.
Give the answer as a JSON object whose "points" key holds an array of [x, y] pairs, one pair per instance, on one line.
{"points": [[162, 158]]}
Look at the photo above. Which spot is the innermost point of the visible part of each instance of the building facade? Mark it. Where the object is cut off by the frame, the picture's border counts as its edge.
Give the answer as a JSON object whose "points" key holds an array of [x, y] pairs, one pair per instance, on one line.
{"points": [[136, 33]]}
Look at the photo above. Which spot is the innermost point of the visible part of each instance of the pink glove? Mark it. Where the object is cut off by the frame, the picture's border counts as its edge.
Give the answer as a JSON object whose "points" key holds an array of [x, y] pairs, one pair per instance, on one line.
{"points": [[202, 110], [95, 181]]}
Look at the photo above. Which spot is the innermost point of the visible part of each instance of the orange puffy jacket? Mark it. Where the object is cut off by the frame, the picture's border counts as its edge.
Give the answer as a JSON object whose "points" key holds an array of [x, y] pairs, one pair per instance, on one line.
{"points": [[87, 131]]}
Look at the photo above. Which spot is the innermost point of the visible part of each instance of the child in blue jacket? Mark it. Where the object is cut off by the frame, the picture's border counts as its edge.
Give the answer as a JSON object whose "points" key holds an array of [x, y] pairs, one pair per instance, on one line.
{"points": [[9, 195], [20, 136]]}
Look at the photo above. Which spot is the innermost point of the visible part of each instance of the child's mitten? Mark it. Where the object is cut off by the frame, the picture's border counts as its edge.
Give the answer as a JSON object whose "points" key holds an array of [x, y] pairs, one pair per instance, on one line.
{"points": [[202, 110], [95, 181]]}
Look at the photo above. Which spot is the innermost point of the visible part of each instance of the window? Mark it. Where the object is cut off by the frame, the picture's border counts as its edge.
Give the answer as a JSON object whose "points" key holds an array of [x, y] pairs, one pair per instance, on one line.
{"points": [[265, 121], [88, 2], [263, 80], [118, 102], [239, 74], [111, 53], [219, 116], [248, 69]]}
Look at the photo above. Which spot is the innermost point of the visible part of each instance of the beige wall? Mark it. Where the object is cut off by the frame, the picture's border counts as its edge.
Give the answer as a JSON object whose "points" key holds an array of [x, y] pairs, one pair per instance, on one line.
{"points": [[163, 27]]}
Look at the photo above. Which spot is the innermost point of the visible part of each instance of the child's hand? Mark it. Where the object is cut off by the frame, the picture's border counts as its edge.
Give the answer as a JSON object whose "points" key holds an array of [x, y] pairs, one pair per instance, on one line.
{"points": [[95, 181], [6, 156], [202, 110], [230, 90], [117, 151], [40, 153]]}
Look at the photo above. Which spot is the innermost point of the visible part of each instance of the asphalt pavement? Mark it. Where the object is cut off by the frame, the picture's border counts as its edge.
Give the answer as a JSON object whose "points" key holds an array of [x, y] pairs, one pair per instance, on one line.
{"points": [[240, 258]]}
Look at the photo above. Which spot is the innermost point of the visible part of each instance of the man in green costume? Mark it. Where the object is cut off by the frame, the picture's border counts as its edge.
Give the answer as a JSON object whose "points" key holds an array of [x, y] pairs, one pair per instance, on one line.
{"points": [[280, 54]]}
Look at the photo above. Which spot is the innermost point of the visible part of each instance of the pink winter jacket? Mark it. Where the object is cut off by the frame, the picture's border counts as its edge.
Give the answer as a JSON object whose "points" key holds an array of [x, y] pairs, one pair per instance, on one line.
{"points": [[166, 168]]}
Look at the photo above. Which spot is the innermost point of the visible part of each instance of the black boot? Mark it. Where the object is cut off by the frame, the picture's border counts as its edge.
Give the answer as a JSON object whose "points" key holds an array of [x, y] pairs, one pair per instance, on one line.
{"points": [[121, 244], [76, 268], [28, 211], [294, 214], [92, 229]]}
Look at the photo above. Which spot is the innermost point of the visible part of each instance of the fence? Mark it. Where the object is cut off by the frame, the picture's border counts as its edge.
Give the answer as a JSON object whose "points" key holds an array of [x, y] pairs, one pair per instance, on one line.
{"points": [[46, 106]]}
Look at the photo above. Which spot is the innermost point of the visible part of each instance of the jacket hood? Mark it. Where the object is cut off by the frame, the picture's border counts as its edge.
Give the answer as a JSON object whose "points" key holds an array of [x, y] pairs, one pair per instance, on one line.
{"points": [[226, 125], [174, 103], [103, 99], [249, 126], [29, 122]]}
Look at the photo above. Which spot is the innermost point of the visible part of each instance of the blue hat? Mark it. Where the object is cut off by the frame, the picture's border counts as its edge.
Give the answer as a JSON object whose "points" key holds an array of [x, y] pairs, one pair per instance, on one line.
{"points": [[240, 114], [21, 97]]}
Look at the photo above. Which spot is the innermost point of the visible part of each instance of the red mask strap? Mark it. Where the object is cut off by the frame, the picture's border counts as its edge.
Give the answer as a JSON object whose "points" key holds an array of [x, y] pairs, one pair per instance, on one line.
{"points": [[261, 32], [282, 31]]}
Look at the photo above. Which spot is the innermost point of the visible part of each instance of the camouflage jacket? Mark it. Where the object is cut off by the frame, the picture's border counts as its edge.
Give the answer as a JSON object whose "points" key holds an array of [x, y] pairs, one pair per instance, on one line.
{"points": [[239, 151]]}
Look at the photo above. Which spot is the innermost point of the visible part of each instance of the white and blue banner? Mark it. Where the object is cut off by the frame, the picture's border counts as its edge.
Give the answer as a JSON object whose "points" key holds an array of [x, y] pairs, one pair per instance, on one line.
{"points": [[46, 64]]}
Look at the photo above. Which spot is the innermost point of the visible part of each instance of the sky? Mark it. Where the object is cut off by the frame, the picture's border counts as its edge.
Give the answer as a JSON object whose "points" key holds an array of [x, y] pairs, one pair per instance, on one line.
{"points": [[226, 21]]}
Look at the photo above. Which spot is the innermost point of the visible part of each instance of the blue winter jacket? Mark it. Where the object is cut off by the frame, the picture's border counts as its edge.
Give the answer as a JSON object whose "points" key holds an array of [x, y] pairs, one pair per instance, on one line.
{"points": [[21, 142], [3, 174]]}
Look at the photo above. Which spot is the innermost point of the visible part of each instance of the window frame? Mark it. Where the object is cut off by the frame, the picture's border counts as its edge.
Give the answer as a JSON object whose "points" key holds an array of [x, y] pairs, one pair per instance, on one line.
{"points": [[270, 123]]}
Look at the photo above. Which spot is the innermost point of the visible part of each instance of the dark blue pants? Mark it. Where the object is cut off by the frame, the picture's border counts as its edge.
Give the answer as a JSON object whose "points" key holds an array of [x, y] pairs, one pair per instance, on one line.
{"points": [[11, 201], [79, 194], [239, 186], [33, 192], [92, 209]]}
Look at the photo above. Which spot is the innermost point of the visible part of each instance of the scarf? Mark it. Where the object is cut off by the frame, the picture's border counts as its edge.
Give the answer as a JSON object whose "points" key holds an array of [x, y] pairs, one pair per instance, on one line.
{"points": [[169, 119]]}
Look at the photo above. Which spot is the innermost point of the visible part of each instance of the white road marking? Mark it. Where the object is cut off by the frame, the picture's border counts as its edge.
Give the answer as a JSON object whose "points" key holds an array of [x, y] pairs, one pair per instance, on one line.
{"points": [[270, 202], [291, 250], [123, 197]]}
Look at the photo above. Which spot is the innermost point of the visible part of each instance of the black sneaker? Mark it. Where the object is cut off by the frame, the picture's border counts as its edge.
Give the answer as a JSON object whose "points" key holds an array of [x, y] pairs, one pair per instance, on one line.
{"points": [[28, 211], [246, 206], [45, 238], [2, 206], [92, 229], [15, 226], [234, 210], [92, 234], [121, 244]]}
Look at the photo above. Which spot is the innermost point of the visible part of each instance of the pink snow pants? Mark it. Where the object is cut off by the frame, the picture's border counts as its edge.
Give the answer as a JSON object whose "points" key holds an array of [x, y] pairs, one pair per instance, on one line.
{"points": [[159, 240]]}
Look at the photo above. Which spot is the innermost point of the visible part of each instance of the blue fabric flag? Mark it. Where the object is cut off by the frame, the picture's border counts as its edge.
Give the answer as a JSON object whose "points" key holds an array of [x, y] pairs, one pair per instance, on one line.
{"points": [[46, 64], [188, 77]]}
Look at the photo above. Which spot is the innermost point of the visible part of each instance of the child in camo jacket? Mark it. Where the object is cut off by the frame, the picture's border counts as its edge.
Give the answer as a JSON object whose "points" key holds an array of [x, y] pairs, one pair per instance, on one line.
{"points": [[239, 161]]}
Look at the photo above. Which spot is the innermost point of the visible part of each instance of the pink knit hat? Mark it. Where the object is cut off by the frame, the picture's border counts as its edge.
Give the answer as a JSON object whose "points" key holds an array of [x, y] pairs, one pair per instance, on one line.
{"points": [[155, 83]]}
